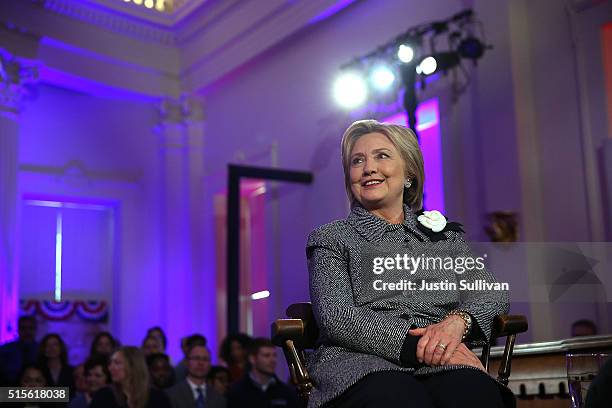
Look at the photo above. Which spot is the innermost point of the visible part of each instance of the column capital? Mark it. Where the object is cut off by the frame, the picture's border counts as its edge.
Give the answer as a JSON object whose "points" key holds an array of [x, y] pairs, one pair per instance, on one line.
{"points": [[180, 121], [17, 78], [186, 108]]}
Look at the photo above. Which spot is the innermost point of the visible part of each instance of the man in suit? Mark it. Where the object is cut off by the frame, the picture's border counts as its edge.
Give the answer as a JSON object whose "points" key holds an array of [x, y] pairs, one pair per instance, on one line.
{"points": [[19, 353], [192, 392], [260, 387]]}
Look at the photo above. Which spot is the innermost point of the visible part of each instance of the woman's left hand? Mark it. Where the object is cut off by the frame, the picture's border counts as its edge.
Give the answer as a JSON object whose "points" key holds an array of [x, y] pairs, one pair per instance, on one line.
{"points": [[448, 332]]}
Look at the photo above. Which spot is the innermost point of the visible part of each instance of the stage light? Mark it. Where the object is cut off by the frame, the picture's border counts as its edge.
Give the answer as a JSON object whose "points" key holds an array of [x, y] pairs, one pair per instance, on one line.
{"points": [[441, 61], [428, 66], [405, 53], [382, 77], [471, 48], [350, 90], [149, 3]]}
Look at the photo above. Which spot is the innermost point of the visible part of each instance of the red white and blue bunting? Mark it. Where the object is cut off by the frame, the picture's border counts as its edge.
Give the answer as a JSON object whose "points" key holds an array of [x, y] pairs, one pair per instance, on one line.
{"points": [[90, 310]]}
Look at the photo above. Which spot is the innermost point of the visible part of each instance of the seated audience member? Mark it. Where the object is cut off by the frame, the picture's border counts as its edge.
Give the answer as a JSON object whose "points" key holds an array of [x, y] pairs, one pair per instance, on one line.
{"points": [[104, 343], [159, 334], [130, 383], [53, 360], [186, 343], [234, 352], [32, 377], [152, 345], [584, 327], [218, 378], [261, 387], [19, 353], [600, 390], [193, 391], [162, 373], [96, 376], [78, 376]]}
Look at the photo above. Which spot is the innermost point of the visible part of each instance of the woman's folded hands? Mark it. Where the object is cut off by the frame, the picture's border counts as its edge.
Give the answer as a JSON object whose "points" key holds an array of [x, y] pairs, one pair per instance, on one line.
{"points": [[440, 344]]}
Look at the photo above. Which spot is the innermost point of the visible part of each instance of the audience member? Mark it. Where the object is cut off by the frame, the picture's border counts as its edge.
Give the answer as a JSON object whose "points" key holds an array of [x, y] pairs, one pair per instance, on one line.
{"points": [[186, 343], [19, 353], [96, 376], [584, 327], [193, 391], [234, 353], [53, 360], [78, 375], [104, 343], [32, 377], [161, 371], [261, 387], [152, 345], [130, 387], [159, 334], [218, 378]]}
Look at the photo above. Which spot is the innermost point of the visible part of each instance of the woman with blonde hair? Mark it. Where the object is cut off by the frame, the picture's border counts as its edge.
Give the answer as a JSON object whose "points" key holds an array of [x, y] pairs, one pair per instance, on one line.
{"points": [[130, 387], [406, 347]]}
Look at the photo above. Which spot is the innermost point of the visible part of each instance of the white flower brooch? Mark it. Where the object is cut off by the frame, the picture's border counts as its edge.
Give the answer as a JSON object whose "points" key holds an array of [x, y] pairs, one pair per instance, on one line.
{"points": [[434, 220], [434, 225]]}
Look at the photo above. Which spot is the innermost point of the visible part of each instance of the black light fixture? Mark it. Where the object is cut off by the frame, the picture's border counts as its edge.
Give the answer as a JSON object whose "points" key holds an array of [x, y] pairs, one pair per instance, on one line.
{"points": [[441, 61], [414, 54], [471, 48]]}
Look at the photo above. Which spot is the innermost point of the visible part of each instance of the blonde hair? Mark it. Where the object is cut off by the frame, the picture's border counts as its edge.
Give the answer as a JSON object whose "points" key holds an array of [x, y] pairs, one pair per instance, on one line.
{"points": [[136, 386], [404, 140]]}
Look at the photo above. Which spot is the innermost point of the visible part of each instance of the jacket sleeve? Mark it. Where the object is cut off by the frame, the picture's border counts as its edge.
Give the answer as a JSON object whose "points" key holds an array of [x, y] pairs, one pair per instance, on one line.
{"points": [[342, 322], [482, 305]]}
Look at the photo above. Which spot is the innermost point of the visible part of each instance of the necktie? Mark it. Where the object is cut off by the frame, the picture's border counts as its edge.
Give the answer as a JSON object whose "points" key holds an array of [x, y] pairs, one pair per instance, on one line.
{"points": [[200, 399]]}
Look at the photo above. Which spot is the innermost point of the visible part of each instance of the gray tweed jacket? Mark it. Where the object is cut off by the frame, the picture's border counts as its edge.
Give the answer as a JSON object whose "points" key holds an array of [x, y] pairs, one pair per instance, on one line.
{"points": [[361, 332]]}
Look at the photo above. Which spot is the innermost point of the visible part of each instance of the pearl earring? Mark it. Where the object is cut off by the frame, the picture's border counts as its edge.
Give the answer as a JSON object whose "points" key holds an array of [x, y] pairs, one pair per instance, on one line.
{"points": [[407, 183]]}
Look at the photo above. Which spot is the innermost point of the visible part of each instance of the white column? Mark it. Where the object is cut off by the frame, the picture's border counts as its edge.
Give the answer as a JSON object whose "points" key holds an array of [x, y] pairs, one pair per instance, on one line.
{"points": [[15, 78], [181, 154]]}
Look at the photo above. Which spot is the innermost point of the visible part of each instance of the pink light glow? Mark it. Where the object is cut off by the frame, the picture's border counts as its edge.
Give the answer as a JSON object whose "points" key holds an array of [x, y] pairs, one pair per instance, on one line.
{"points": [[428, 126]]}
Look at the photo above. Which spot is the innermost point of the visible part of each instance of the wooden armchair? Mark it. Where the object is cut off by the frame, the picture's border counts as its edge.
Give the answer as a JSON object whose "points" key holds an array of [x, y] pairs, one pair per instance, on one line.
{"points": [[300, 332]]}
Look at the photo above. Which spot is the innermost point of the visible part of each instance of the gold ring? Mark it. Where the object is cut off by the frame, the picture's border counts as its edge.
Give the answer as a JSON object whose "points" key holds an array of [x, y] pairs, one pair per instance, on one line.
{"points": [[442, 346]]}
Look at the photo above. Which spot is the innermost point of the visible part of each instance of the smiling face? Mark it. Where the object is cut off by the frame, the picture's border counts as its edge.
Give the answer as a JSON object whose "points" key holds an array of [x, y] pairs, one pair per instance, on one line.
{"points": [[377, 172]]}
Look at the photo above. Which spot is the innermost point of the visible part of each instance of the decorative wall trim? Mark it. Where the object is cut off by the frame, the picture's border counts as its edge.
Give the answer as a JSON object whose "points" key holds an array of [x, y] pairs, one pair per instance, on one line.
{"points": [[75, 170]]}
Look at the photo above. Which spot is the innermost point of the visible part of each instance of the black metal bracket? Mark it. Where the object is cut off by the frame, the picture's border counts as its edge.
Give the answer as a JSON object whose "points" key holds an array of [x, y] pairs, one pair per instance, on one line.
{"points": [[235, 173]]}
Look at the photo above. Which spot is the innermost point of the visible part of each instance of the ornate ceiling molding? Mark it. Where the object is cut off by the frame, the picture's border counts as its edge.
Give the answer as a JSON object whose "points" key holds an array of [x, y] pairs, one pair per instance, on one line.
{"points": [[96, 45], [156, 28]]}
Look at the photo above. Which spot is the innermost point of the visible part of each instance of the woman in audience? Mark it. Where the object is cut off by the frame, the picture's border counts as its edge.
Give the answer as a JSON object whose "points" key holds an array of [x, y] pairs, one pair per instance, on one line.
{"points": [[33, 377], [234, 351], [53, 360], [97, 377], [152, 345], [130, 387], [104, 343], [159, 334], [218, 378]]}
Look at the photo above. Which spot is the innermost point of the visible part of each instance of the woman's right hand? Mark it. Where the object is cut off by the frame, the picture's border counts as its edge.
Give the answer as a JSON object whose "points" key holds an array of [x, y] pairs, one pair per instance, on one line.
{"points": [[465, 356]]}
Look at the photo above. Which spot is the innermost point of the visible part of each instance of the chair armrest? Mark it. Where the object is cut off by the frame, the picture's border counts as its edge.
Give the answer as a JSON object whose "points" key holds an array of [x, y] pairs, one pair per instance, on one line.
{"points": [[287, 329], [505, 325]]}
